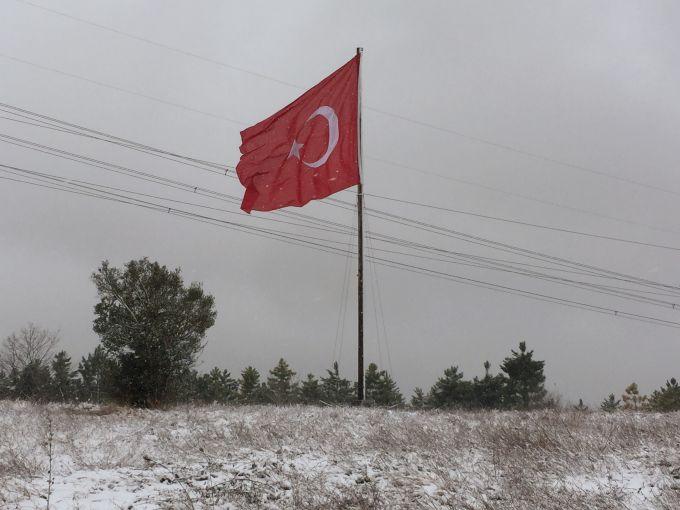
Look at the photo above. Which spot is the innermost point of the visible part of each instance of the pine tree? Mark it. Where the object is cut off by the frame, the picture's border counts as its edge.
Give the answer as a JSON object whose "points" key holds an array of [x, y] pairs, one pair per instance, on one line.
{"points": [[33, 382], [418, 400], [216, 386], [580, 406], [63, 378], [153, 325], [667, 398], [451, 390], [524, 378], [488, 391], [336, 389], [310, 390], [98, 373], [632, 400], [371, 384], [280, 385], [5, 385], [610, 404], [388, 392], [250, 388]]}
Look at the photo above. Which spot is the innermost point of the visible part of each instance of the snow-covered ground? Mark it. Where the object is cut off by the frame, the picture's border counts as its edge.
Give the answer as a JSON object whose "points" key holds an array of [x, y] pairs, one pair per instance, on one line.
{"points": [[334, 458]]}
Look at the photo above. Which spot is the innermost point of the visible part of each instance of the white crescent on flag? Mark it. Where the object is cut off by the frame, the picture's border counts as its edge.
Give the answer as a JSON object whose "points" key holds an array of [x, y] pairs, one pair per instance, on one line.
{"points": [[333, 135]]}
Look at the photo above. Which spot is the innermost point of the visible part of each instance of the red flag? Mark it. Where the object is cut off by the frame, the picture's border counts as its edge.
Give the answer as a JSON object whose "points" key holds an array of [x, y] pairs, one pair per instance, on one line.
{"points": [[306, 151]]}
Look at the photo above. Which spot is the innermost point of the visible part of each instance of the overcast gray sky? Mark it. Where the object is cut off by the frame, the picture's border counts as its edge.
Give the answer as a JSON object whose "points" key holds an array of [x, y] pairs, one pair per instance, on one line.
{"points": [[594, 84]]}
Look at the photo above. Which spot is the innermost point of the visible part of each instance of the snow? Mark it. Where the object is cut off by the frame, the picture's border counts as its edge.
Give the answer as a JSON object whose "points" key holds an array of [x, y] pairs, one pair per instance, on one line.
{"points": [[309, 457]]}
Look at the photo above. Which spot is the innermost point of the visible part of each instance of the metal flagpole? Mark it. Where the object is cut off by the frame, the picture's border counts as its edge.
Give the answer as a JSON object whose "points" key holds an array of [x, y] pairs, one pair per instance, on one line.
{"points": [[360, 253]]}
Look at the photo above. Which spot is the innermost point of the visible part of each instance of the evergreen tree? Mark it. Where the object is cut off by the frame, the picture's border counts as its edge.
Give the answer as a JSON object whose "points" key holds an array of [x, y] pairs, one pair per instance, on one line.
{"points": [[451, 390], [418, 400], [610, 404], [388, 393], [280, 385], [216, 386], [580, 406], [152, 325], [632, 400], [488, 391], [667, 398], [250, 389], [310, 390], [5, 385], [371, 384], [188, 386], [33, 382], [64, 382], [336, 389], [524, 378], [98, 373]]}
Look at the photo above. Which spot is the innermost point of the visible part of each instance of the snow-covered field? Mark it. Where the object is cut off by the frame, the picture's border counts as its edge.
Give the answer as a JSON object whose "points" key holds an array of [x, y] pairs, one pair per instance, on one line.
{"points": [[309, 457]]}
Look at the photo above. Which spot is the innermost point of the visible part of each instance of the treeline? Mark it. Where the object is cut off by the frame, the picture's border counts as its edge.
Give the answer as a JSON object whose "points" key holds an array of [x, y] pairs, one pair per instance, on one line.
{"points": [[665, 399], [28, 370], [152, 328]]}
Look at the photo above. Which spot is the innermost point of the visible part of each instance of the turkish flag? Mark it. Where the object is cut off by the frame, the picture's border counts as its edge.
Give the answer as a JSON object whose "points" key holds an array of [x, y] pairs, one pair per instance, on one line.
{"points": [[306, 151]]}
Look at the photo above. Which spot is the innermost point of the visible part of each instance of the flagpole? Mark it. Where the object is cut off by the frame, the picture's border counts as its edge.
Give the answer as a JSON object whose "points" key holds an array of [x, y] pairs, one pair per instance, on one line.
{"points": [[360, 254]]}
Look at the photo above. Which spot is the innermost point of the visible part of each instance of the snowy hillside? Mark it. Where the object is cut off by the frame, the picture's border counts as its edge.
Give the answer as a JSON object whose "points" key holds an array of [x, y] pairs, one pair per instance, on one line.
{"points": [[308, 457]]}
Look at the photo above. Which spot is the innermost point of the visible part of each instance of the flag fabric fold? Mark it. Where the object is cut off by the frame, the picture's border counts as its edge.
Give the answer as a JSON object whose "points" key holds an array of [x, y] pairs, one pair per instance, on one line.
{"points": [[306, 151]]}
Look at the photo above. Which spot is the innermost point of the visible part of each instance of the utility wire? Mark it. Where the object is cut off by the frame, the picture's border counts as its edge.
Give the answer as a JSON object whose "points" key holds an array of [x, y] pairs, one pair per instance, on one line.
{"points": [[106, 137], [616, 292], [392, 263], [212, 194], [124, 90], [421, 123], [395, 164], [523, 223], [522, 196], [75, 129]]}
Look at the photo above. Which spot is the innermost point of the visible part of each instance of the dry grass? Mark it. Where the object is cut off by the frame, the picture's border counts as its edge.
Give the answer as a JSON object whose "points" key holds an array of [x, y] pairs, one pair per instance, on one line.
{"points": [[317, 458]]}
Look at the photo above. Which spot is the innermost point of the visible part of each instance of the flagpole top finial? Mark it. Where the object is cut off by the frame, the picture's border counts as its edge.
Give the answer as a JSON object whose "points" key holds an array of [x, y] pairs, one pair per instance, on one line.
{"points": [[360, 49]]}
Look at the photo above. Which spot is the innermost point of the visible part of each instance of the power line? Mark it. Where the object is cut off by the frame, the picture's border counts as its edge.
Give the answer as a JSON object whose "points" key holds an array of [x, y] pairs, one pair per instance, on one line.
{"points": [[55, 124], [524, 223], [392, 263], [395, 164], [522, 196], [421, 123], [162, 45], [153, 150], [616, 292], [124, 90], [216, 195]]}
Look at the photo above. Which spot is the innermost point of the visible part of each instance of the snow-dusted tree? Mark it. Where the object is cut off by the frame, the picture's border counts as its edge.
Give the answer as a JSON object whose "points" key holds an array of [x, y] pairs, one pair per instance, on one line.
{"points": [[217, 386], [32, 345], [371, 384], [33, 382], [310, 390], [64, 381], [388, 392], [632, 400], [280, 385], [251, 390], [98, 373], [525, 378], [610, 404], [5, 386], [451, 390], [153, 325], [488, 391], [380, 388], [418, 400], [336, 389], [667, 398]]}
